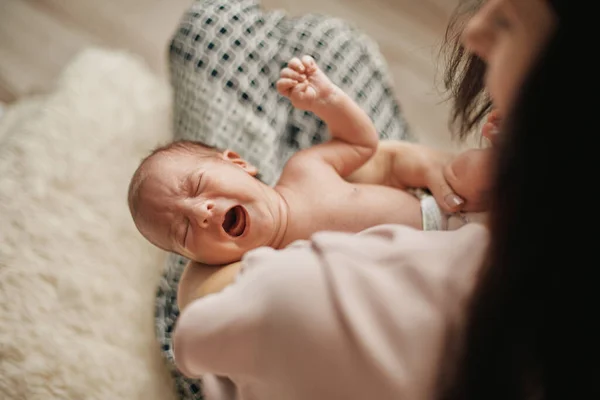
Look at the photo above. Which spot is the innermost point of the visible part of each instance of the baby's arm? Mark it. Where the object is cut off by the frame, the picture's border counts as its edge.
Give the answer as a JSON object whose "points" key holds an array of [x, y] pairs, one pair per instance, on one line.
{"points": [[354, 138], [457, 181], [407, 165], [401, 164]]}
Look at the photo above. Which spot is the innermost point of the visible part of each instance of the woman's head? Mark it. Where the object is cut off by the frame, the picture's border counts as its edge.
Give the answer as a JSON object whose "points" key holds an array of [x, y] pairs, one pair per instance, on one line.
{"points": [[507, 36], [467, 42], [522, 335]]}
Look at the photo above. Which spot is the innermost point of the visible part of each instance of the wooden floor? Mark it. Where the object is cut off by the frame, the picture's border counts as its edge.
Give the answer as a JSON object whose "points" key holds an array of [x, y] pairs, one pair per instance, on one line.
{"points": [[38, 37]]}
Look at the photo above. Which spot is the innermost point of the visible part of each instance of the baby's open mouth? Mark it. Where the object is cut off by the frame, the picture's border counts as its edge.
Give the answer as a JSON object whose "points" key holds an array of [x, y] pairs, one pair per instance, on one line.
{"points": [[235, 221]]}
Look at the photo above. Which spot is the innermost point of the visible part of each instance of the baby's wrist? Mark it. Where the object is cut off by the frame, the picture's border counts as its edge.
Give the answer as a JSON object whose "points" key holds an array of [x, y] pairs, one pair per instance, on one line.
{"points": [[332, 99]]}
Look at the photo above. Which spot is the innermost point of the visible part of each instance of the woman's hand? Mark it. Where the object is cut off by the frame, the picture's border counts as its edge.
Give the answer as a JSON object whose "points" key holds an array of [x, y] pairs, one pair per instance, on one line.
{"points": [[463, 183], [490, 129], [469, 173], [447, 197]]}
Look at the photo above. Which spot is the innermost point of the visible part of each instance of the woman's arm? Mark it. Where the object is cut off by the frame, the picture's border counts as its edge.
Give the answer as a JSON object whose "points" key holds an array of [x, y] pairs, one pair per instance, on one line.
{"points": [[199, 280], [339, 316]]}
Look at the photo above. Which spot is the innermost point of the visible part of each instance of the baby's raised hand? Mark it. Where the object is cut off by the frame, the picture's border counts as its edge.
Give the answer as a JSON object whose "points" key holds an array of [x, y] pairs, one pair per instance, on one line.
{"points": [[303, 82]]}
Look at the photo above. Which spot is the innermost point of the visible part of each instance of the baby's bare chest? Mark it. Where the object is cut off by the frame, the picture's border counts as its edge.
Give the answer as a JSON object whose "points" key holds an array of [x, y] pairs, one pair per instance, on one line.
{"points": [[343, 207]]}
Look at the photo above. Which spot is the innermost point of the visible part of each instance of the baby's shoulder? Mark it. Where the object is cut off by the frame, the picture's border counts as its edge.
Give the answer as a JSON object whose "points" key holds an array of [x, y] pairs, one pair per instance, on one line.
{"points": [[303, 169]]}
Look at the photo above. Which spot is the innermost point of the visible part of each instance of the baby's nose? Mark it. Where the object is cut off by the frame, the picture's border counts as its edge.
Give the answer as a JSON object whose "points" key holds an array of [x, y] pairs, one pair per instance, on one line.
{"points": [[205, 213]]}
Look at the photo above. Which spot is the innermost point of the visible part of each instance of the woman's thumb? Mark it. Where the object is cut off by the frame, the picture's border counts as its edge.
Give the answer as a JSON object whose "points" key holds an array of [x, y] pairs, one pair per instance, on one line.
{"points": [[443, 193]]}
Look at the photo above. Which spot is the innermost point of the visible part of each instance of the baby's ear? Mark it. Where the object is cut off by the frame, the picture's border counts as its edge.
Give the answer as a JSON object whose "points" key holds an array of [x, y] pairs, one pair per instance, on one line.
{"points": [[232, 156]]}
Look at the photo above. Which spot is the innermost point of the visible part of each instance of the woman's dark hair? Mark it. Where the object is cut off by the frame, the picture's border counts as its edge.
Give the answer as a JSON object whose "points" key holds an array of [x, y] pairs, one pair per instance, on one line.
{"points": [[531, 332], [463, 75]]}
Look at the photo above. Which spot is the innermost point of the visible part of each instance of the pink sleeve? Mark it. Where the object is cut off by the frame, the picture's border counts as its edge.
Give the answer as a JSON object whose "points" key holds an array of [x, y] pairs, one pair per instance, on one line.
{"points": [[339, 316], [221, 333]]}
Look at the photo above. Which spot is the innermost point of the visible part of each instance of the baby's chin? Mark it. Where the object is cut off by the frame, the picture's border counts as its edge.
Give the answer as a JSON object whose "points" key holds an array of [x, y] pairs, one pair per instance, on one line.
{"points": [[222, 257]]}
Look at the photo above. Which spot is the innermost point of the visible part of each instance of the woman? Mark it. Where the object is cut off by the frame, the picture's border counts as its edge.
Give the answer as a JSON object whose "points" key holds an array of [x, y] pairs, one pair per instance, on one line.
{"points": [[529, 334], [396, 313]]}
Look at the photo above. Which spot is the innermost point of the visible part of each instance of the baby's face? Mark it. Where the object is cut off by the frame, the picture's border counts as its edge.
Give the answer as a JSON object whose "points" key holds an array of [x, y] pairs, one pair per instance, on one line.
{"points": [[205, 208]]}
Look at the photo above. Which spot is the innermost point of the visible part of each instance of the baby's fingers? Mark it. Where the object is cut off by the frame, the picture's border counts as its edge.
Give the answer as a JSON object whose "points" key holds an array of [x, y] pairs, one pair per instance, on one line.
{"points": [[285, 86], [296, 64], [291, 74], [303, 92], [309, 63]]}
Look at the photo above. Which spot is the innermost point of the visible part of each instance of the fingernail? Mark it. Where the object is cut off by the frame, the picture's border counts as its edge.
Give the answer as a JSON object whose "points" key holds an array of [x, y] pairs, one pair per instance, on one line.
{"points": [[453, 200]]}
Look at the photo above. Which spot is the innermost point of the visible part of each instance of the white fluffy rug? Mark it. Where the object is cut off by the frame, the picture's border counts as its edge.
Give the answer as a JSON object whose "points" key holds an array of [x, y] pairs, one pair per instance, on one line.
{"points": [[77, 281]]}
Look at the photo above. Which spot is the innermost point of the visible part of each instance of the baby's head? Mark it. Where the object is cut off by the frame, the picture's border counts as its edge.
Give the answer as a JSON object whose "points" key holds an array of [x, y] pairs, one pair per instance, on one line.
{"points": [[202, 203]]}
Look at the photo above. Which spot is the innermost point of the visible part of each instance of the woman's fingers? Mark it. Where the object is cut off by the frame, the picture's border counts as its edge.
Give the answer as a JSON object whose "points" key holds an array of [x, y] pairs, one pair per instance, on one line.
{"points": [[490, 132], [443, 193], [494, 117], [469, 175], [490, 129]]}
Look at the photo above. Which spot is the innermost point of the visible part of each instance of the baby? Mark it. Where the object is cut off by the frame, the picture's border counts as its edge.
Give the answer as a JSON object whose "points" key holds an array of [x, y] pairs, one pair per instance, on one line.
{"points": [[207, 205]]}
